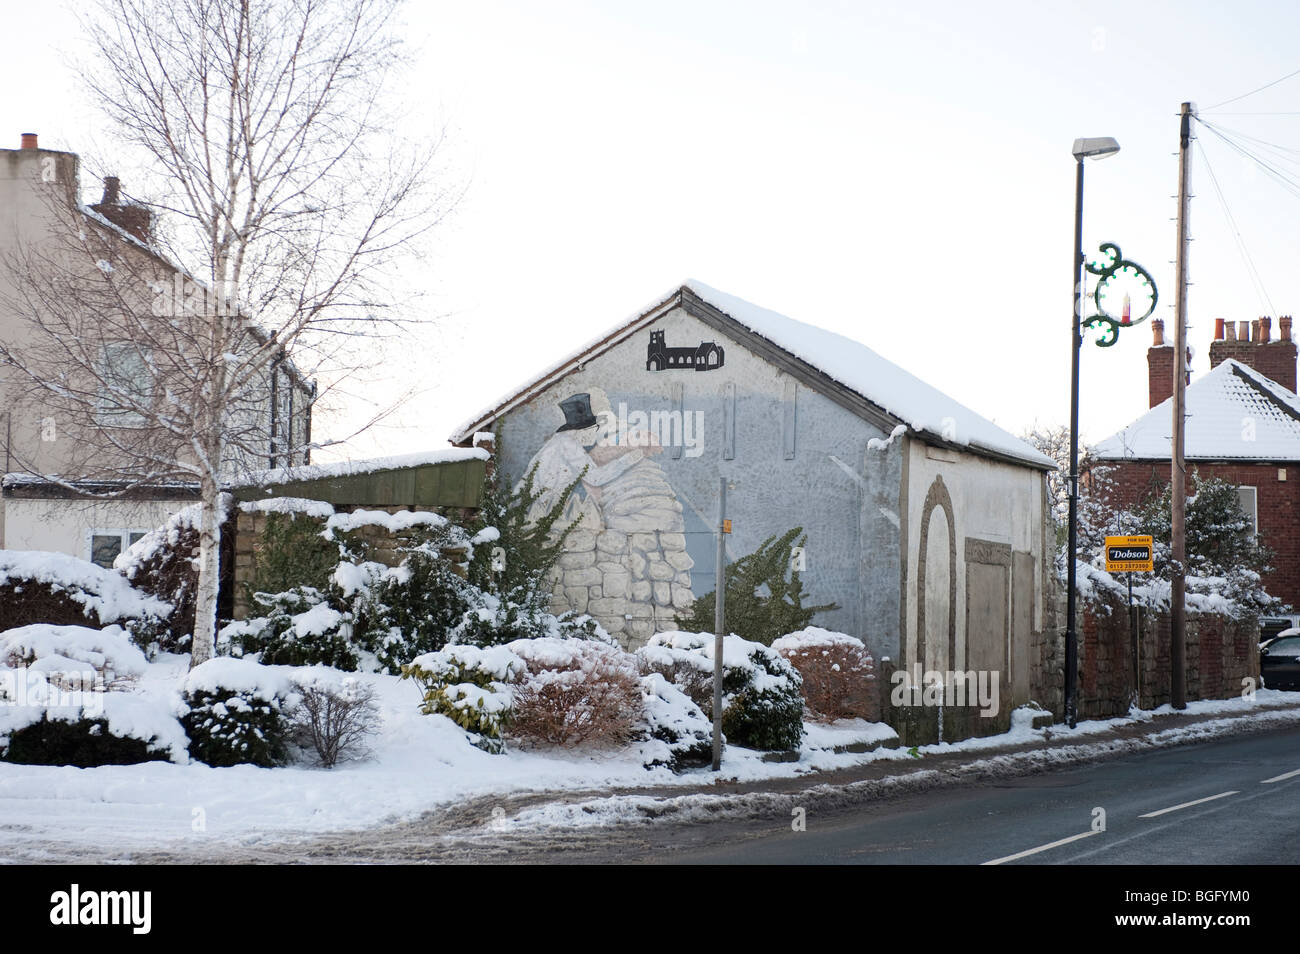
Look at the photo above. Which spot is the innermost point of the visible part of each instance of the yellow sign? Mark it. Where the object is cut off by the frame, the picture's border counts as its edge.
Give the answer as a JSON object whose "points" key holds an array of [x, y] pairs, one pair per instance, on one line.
{"points": [[726, 526], [1129, 555]]}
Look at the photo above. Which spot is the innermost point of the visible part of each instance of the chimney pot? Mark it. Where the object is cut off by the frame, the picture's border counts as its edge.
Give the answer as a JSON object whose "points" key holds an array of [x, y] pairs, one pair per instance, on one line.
{"points": [[1265, 329], [29, 141], [1157, 332], [1218, 329], [1284, 328], [1254, 330], [1243, 331], [1229, 331], [112, 190]]}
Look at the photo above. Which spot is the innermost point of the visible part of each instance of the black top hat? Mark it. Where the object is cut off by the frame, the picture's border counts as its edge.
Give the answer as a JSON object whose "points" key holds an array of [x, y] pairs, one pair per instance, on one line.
{"points": [[577, 413]]}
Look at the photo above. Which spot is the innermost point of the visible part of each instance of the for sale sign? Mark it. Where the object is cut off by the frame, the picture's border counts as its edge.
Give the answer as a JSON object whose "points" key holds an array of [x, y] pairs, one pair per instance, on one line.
{"points": [[1129, 555]]}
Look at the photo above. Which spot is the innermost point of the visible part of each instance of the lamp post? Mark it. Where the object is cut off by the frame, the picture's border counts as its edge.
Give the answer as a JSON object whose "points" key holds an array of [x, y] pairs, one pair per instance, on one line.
{"points": [[1097, 148]]}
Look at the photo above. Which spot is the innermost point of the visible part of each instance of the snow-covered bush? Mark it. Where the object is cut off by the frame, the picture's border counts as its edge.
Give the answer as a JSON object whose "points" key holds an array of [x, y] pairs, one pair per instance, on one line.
{"points": [[107, 653], [41, 587], [83, 743], [333, 714], [164, 564], [298, 628], [762, 702], [575, 692], [470, 686], [839, 675], [232, 711], [47, 721], [676, 734]]}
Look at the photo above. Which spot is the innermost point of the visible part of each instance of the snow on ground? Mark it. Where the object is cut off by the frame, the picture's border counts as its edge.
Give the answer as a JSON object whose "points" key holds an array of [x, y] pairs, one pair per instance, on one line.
{"points": [[418, 764]]}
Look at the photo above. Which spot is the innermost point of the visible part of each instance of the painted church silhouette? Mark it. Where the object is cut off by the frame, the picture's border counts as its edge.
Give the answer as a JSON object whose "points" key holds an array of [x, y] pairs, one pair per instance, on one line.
{"points": [[705, 356]]}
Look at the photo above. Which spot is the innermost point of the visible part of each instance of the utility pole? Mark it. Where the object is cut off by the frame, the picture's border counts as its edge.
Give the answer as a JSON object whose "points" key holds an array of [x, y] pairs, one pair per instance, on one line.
{"points": [[1178, 474], [719, 621]]}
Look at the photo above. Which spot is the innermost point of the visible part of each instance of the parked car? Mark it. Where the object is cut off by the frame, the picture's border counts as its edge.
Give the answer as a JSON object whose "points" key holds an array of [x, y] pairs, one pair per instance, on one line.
{"points": [[1279, 660]]}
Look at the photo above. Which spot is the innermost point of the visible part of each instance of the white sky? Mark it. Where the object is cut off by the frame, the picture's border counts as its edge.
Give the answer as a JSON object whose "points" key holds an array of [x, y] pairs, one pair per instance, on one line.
{"points": [[899, 173]]}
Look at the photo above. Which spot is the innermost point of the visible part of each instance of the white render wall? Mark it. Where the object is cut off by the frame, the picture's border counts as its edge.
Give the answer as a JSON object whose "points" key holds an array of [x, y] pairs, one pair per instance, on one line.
{"points": [[64, 526], [994, 502]]}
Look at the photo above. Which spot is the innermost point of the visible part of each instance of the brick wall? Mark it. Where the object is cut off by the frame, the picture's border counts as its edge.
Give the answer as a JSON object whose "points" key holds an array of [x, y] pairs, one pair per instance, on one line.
{"points": [[1221, 652], [1277, 501]]}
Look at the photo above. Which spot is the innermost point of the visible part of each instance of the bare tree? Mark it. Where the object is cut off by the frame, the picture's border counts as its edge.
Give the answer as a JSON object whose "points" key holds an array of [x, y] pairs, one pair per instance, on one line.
{"points": [[273, 177]]}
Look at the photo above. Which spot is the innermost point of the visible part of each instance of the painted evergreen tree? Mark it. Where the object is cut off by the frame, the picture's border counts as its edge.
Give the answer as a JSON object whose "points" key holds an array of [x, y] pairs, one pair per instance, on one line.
{"points": [[764, 594]]}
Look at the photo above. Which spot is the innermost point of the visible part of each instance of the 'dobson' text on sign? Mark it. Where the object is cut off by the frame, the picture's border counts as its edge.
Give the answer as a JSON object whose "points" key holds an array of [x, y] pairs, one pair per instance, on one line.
{"points": [[1129, 555]]}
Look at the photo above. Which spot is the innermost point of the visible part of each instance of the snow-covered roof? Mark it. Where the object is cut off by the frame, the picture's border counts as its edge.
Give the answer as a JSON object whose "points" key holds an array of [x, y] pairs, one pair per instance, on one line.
{"points": [[349, 468], [930, 413], [1233, 413]]}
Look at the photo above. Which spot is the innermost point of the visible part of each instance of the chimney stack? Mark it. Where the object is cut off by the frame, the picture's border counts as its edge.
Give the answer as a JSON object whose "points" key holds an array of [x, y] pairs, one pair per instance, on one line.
{"points": [[29, 141], [1160, 365], [1252, 344], [134, 219]]}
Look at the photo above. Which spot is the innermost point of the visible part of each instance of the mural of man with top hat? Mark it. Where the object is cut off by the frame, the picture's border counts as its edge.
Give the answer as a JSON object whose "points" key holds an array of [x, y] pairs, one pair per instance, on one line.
{"points": [[628, 564]]}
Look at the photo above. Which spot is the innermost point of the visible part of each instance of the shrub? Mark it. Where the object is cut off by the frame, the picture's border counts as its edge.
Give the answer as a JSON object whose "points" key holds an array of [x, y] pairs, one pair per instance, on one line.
{"points": [[676, 733], [415, 608], [333, 717], [291, 552], [233, 713], [839, 675], [468, 685], [84, 743], [762, 702], [164, 564], [107, 653], [299, 628], [575, 692], [764, 594], [41, 587]]}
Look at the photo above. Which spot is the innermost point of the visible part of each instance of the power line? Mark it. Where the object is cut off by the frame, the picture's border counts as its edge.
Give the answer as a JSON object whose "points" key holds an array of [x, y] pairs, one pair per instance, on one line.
{"points": [[1254, 91], [1251, 271]]}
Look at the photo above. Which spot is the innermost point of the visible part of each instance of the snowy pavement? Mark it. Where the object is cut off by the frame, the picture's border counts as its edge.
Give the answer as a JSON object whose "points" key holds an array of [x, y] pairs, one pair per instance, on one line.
{"points": [[424, 777]]}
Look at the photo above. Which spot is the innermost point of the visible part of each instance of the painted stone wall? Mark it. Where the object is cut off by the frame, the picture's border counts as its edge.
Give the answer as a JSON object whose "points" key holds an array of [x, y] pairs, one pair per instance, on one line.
{"points": [[649, 427]]}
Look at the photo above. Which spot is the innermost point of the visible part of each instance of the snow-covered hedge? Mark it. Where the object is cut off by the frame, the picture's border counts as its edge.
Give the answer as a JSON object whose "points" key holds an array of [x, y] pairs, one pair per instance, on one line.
{"points": [[232, 711], [37, 586], [839, 675], [470, 686], [108, 652], [677, 734], [298, 628], [163, 564], [762, 702], [575, 692]]}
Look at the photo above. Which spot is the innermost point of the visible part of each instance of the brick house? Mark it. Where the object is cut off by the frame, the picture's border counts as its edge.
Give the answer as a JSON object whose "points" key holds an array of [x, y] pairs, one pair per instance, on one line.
{"points": [[1243, 426]]}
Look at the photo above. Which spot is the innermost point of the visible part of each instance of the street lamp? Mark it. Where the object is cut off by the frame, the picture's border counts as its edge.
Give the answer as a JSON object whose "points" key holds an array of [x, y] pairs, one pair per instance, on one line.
{"points": [[1097, 148]]}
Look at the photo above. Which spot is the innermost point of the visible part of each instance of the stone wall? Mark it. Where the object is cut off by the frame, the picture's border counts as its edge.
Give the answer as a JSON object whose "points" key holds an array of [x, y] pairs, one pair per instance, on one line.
{"points": [[381, 545]]}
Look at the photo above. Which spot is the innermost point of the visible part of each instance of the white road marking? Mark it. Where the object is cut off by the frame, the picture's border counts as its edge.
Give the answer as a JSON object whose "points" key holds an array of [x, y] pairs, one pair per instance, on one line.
{"points": [[1034, 851], [1281, 778], [1199, 801]]}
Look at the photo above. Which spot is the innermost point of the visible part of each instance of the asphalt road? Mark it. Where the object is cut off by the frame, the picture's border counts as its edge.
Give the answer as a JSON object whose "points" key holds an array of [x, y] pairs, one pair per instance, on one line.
{"points": [[1221, 802]]}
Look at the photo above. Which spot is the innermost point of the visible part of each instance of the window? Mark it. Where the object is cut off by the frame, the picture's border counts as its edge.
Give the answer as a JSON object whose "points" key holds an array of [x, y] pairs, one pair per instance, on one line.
{"points": [[104, 546], [126, 383], [1248, 499]]}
